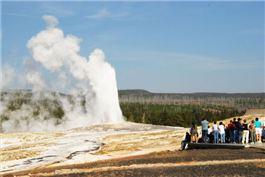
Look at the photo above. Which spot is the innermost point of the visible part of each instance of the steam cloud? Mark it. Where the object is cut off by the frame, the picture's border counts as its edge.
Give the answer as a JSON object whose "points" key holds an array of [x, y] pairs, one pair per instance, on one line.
{"points": [[92, 79]]}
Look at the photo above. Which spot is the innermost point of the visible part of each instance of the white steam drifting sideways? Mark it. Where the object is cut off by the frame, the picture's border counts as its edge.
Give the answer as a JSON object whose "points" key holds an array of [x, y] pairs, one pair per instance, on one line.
{"points": [[93, 78]]}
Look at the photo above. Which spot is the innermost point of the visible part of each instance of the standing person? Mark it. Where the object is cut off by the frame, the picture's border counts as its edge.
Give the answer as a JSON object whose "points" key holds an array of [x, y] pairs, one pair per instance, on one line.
{"points": [[222, 132], [210, 134], [239, 130], [204, 130], [235, 131], [215, 132], [193, 132], [227, 135], [231, 127], [258, 130], [252, 129], [245, 132], [263, 132]]}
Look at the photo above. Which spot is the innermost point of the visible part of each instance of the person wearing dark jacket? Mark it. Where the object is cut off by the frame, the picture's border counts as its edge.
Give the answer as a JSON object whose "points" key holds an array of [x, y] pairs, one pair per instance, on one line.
{"points": [[231, 127], [235, 131], [187, 140], [239, 130]]}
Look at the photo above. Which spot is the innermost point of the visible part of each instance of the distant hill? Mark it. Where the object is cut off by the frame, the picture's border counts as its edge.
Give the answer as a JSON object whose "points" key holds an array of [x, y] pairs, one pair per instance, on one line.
{"points": [[139, 92], [134, 92]]}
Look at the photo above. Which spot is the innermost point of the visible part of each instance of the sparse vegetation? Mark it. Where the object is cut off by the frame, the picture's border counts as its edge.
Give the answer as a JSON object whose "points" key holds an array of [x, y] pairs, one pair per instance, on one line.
{"points": [[3, 119]]}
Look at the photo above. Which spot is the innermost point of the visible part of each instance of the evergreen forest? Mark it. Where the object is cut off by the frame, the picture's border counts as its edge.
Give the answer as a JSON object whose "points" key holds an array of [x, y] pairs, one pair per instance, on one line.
{"points": [[176, 115]]}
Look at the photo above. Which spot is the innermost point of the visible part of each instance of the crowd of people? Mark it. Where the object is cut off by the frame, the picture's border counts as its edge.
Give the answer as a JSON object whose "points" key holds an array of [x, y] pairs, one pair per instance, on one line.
{"points": [[235, 132]]}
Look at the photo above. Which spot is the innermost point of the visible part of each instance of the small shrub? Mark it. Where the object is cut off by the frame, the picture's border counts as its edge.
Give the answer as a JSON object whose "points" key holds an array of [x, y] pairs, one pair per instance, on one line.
{"points": [[36, 113], [58, 112]]}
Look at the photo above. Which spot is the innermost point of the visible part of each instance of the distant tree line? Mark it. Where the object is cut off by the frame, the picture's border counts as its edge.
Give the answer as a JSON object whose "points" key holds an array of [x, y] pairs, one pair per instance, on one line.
{"points": [[174, 115], [241, 101]]}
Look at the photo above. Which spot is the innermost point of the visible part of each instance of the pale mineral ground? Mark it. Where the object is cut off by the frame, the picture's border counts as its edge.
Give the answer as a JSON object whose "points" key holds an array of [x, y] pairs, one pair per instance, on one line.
{"points": [[23, 151]]}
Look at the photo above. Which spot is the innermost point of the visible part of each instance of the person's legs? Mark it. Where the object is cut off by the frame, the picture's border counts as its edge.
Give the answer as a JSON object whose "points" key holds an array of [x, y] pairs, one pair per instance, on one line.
{"points": [[223, 137], [183, 144], [247, 135], [196, 138], [259, 138], [244, 136], [235, 138], [203, 136], [253, 137], [260, 132], [232, 136], [192, 137], [216, 136], [204, 133], [239, 136], [216, 139]]}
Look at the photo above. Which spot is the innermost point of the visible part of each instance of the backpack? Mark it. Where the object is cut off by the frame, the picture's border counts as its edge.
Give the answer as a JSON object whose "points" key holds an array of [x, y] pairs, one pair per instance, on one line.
{"points": [[194, 130], [232, 127]]}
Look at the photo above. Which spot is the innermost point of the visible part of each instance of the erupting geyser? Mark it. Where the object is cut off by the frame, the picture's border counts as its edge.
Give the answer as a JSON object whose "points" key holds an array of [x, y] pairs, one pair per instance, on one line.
{"points": [[92, 80]]}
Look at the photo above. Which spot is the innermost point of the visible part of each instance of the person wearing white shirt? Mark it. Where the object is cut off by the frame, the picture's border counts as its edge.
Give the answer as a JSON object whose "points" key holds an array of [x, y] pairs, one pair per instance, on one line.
{"points": [[222, 132], [210, 130], [215, 132]]}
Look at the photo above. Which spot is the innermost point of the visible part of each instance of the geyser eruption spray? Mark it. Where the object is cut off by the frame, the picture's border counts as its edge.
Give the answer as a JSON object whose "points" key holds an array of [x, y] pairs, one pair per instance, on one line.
{"points": [[92, 79]]}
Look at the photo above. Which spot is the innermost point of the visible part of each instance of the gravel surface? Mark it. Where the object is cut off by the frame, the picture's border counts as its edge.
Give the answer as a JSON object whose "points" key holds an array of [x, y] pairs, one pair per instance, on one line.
{"points": [[245, 169], [183, 156], [199, 156]]}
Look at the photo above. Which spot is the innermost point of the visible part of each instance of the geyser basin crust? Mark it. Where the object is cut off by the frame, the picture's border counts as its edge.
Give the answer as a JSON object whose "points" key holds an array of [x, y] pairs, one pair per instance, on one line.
{"points": [[86, 144]]}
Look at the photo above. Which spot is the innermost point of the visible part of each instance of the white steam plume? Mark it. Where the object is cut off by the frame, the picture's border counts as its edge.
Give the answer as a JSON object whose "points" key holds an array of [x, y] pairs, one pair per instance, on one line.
{"points": [[34, 77], [7, 75], [103, 80], [59, 54], [50, 20]]}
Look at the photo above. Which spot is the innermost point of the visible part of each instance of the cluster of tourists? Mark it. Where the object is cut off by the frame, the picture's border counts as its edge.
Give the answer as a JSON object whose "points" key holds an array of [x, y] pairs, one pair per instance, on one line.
{"points": [[235, 132]]}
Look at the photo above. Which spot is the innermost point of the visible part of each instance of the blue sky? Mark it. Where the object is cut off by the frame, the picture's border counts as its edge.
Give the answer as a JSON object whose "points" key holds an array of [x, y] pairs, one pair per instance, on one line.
{"points": [[177, 47]]}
